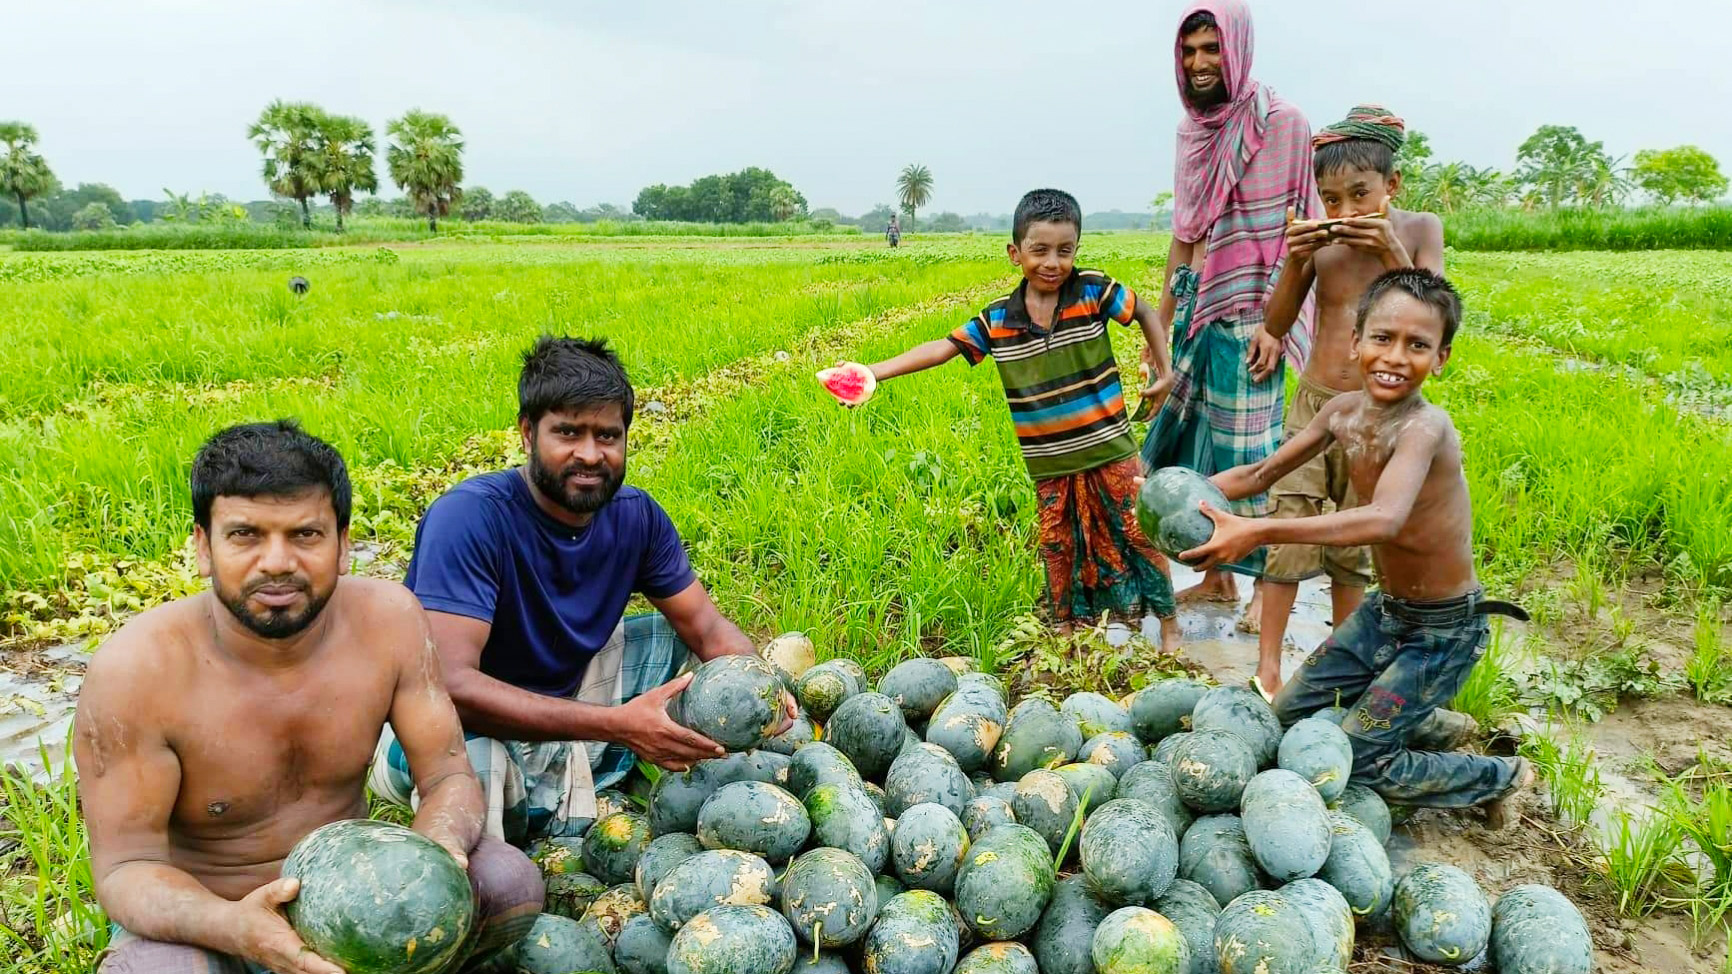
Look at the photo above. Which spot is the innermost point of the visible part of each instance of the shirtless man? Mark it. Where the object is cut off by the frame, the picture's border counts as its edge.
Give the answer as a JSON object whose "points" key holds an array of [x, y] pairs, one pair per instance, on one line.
{"points": [[215, 732], [1410, 645], [1363, 237]]}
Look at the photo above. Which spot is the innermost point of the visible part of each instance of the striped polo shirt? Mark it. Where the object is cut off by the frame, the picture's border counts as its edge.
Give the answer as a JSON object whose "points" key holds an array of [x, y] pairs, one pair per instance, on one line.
{"points": [[1062, 383]]}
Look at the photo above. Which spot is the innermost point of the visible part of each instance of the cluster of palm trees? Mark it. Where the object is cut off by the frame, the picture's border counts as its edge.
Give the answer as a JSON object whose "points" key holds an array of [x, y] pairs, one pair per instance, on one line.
{"points": [[309, 152], [24, 174], [1556, 166]]}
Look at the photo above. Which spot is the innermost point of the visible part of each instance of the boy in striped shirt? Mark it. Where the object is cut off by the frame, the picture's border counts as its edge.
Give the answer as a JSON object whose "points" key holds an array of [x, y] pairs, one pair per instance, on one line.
{"points": [[1049, 340]]}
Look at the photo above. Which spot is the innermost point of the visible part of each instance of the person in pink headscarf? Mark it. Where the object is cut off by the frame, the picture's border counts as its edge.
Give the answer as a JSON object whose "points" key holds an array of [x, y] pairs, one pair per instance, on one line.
{"points": [[1244, 159]]}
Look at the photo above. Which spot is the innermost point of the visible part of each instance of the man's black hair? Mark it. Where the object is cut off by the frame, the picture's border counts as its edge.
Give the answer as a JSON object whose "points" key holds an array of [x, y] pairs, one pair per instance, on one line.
{"points": [[571, 374], [1196, 22], [1352, 154], [1422, 285], [267, 460], [1044, 206]]}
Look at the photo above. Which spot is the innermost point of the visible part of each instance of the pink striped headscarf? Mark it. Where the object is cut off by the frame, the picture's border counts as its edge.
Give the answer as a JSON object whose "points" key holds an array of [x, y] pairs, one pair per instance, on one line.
{"points": [[1215, 145]]}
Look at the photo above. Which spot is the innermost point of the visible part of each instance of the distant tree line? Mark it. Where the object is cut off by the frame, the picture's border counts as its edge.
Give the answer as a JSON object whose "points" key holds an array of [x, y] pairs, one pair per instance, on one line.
{"points": [[752, 195]]}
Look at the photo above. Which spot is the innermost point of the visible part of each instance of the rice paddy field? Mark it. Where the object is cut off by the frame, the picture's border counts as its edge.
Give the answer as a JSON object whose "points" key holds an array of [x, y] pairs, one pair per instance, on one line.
{"points": [[1593, 392]]}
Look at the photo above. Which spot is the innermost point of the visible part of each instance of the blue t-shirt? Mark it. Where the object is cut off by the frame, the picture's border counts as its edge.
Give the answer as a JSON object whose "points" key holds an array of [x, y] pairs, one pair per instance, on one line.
{"points": [[553, 593]]}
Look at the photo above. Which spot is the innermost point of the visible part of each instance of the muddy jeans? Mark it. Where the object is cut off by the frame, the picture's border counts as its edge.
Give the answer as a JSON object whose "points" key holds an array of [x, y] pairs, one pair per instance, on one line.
{"points": [[1392, 665], [508, 896]]}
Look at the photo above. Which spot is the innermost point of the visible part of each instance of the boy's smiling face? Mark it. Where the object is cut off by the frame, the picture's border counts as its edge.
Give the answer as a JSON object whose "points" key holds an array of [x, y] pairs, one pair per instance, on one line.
{"points": [[1399, 347], [1046, 253], [1356, 192]]}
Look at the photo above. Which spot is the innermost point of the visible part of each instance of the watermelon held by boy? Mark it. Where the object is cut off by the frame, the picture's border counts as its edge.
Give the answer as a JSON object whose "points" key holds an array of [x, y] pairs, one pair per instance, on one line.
{"points": [[378, 898], [1167, 509], [851, 383]]}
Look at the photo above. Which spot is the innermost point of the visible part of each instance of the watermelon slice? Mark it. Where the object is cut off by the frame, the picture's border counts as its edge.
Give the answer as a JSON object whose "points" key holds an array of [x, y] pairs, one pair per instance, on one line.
{"points": [[851, 383]]}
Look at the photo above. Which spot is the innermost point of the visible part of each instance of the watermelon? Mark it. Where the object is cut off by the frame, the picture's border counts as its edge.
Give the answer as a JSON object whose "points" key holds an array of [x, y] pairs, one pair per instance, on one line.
{"points": [[918, 686], [1215, 855], [998, 958], [1262, 932], [821, 689], [1357, 866], [557, 854], [642, 947], [1242, 711], [888, 886], [928, 848], [675, 798], [1002, 790], [1045, 803], [926, 773], [815, 764], [1092, 784], [983, 813], [1137, 940], [915, 933], [1035, 736], [829, 898], [1441, 914], [1211, 769], [879, 799], [824, 963], [613, 845], [987, 680], [1328, 916], [844, 817], [1367, 806], [1152, 782], [614, 908], [1286, 824], [1193, 910], [1164, 751], [968, 724], [1537, 930], [556, 945], [852, 668], [754, 817], [733, 700], [1129, 852], [850, 382], [708, 879], [660, 857], [1067, 926], [1168, 509], [1117, 751], [1319, 752], [801, 731], [868, 728], [791, 654], [961, 665], [1096, 714], [377, 897], [1005, 882], [570, 894], [1334, 715], [1163, 708], [732, 940]]}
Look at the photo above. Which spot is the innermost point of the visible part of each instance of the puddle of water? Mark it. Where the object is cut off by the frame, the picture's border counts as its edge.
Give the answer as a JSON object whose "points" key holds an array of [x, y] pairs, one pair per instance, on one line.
{"points": [[36, 713]]}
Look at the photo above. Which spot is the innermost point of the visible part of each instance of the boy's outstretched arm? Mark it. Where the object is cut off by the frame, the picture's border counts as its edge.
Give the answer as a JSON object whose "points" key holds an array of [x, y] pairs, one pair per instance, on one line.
{"points": [[1255, 478], [923, 356]]}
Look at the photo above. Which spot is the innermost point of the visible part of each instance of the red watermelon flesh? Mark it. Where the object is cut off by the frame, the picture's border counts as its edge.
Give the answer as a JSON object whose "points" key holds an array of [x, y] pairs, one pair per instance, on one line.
{"points": [[851, 383]]}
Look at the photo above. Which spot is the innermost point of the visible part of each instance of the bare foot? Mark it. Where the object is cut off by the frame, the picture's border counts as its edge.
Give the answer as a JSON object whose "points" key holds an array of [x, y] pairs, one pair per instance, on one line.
{"points": [[1216, 586], [1267, 683], [1170, 634], [1500, 813]]}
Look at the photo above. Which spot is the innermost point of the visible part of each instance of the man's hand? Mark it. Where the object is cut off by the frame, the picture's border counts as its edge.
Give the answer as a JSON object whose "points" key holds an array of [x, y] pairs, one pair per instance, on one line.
{"points": [[646, 728], [790, 712], [1263, 355], [1304, 238], [265, 937], [1234, 538], [1374, 235], [449, 841]]}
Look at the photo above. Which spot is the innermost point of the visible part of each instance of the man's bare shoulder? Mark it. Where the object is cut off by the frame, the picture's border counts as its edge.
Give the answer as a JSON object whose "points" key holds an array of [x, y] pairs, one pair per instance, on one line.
{"points": [[150, 649], [386, 611]]}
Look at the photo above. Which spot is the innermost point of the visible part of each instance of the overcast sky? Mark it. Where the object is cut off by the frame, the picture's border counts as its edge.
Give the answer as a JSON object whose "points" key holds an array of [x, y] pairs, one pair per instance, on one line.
{"points": [[589, 102]]}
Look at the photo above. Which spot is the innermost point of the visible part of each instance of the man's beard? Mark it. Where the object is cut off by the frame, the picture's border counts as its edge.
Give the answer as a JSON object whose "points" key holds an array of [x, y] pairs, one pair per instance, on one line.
{"points": [[577, 500], [275, 623], [1204, 100]]}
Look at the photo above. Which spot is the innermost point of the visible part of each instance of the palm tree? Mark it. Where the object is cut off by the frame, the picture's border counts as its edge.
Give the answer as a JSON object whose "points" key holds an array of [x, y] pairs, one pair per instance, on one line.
{"points": [[784, 203], [426, 162], [288, 134], [23, 173], [914, 188], [1605, 182], [345, 163]]}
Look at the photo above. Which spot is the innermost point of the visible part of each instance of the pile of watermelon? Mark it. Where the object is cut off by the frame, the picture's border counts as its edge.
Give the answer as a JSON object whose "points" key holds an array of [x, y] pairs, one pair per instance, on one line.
{"points": [[920, 825]]}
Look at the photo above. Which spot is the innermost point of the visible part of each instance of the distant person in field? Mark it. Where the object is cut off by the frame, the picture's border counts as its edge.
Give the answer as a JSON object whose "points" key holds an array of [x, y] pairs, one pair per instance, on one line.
{"points": [[1049, 339], [1244, 162], [893, 233], [525, 575], [1409, 646], [215, 732], [1334, 261]]}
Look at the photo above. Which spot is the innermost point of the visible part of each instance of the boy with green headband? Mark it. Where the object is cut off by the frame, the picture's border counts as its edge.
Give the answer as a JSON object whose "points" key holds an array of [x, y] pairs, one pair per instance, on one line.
{"points": [[1340, 256]]}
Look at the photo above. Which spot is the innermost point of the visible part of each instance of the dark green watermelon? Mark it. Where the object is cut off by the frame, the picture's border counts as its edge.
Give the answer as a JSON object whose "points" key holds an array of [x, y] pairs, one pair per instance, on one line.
{"points": [[928, 848], [1330, 920], [888, 886], [1242, 711], [829, 898], [379, 898], [613, 909], [983, 813], [1096, 714], [1286, 824], [1193, 910], [1368, 807], [1164, 751], [1163, 708], [1215, 855], [868, 728], [1036, 736], [1002, 790], [989, 680], [733, 940], [1117, 751], [1092, 784], [915, 933], [1005, 882], [926, 773], [1211, 769], [1067, 927], [677, 796], [853, 668], [733, 700], [1152, 782], [824, 963], [613, 845], [802, 731], [612, 801], [1137, 940], [1537, 930], [1357, 866], [822, 689], [1334, 715], [1262, 932], [998, 958], [918, 686], [709, 879], [557, 854], [570, 894], [815, 764], [879, 799], [844, 817], [1319, 752], [556, 945], [754, 817], [1168, 509], [1441, 914], [1045, 803], [1129, 852], [792, 654], [968, 724], [642, 947], [660, 857]]}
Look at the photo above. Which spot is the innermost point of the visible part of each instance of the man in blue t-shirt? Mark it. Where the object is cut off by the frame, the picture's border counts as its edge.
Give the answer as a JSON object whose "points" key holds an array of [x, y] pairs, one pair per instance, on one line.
{"points": [[525, 575]]}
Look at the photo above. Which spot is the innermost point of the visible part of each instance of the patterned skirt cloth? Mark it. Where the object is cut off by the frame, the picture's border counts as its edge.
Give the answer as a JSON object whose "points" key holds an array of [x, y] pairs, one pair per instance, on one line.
{"points": [[1097, 560]]}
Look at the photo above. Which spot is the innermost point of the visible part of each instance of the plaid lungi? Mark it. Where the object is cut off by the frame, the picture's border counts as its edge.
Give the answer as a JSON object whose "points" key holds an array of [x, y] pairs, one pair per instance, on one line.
{"points": [[534, 789]]}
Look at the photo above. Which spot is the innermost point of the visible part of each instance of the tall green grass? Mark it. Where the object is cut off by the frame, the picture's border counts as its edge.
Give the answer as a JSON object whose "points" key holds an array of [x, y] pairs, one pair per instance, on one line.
{"points": [[1573, 228], [49, 920]]}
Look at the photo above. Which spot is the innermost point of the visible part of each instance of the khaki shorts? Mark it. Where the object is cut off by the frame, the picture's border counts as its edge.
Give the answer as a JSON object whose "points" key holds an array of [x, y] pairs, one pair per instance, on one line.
{"points": [[1307, 492]]}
